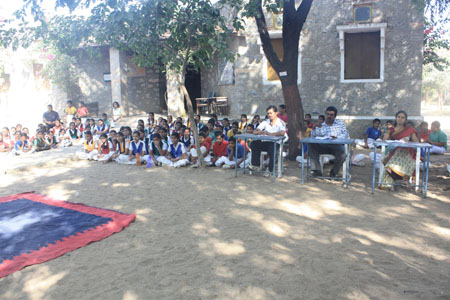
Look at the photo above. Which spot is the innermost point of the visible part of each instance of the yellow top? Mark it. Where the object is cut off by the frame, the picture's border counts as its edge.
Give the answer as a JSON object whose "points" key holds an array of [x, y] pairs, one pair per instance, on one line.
{"points": [[230, 133], [89, 146], [71, 110], [308, 132]]}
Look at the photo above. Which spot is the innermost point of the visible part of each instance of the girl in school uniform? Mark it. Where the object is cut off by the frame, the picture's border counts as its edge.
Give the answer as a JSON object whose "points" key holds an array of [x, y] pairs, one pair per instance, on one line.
{"points": [[8, 143], [105, 149], [102, 128], [79, 126], [58, 126], [187, 139], [157, 149], [63, 138], [89, 151], [135, 149], [120, 147], [176, 156], [73, 133]]}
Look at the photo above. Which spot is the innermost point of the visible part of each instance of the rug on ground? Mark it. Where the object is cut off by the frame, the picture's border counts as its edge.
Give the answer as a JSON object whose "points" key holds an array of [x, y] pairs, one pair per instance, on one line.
{"points": [[36, 228]]}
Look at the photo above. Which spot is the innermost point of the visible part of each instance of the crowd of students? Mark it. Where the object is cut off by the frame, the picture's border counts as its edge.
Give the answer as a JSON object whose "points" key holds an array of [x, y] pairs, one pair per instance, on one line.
{"points": [[168, 142]]}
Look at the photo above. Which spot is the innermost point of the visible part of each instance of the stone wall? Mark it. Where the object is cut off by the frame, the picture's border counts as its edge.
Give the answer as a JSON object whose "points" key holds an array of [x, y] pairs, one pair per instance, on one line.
{"points": [[144, 91], [320, 65]]}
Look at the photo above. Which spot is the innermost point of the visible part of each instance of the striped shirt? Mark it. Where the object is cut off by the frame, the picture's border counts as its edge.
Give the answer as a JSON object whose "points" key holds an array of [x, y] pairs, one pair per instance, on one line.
{"points": [[337, 129]]}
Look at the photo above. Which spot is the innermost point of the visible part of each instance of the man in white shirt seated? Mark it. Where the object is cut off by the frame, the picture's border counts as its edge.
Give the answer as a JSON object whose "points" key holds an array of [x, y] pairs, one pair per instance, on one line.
{"points": [[273, 126], [333, 129]]}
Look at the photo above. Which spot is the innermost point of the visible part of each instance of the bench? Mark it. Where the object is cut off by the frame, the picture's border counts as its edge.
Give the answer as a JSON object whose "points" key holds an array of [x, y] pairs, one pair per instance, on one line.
{"points": [[92, 107]]}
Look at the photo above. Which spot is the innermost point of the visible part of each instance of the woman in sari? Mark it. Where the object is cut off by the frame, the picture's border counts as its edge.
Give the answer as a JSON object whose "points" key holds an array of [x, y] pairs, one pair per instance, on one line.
{"points": [[400, 162]]}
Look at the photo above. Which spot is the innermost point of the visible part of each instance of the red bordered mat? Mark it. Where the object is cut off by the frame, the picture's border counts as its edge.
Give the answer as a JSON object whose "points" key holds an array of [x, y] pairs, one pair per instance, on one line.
{"points": [[86, 224]]}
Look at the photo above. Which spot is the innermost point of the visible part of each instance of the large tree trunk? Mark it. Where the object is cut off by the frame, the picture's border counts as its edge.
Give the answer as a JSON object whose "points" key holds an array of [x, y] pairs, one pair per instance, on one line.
{"points": [[192, 119], [295, 113]]}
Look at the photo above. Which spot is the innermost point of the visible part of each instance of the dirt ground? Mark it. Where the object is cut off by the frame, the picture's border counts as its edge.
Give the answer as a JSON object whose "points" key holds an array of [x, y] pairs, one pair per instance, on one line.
{"points": [[203, 234]]}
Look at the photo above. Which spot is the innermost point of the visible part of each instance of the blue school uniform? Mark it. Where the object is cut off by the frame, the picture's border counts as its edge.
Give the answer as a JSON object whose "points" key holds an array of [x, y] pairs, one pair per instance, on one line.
{"points": [[373, 133], [177, 151], [139, 148], [187, 141], [103, 127]]}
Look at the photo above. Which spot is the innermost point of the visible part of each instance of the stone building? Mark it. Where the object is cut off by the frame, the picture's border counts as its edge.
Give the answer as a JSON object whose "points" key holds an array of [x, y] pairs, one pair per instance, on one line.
{"points": [[363, 56]]}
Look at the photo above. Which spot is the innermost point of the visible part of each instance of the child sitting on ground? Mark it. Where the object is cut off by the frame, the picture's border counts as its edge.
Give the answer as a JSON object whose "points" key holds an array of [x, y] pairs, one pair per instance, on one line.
{"points": [[157, 149], [372, 134], [187, 139], [89, 151], [424, 134], [176, 155], [64, 139], [229, 161], [106, 120], [105, 149], [226, 126], [204, 149], [21, 146], [40, 143], [52, 140], [120, 145], [58, 126], [234, 130], [242, 125], [219, 149], [437, 139], [73, 133], [136, 151], [4, 146]]}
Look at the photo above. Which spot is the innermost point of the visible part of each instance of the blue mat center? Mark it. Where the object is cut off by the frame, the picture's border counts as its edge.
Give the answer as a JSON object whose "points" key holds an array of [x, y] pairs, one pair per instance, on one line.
{"points": [[27, 225]]}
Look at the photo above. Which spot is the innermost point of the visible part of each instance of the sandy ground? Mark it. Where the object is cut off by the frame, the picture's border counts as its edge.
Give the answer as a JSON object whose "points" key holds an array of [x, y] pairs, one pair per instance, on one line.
{"points": [[202, 234]]}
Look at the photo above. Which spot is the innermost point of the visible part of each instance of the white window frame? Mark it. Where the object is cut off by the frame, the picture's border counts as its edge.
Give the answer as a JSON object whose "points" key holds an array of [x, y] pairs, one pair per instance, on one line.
{"points": [[278, 34], [356, 28]]}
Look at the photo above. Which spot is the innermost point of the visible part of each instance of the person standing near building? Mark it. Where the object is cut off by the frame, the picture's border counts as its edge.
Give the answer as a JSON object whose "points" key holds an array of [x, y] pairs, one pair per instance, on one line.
{"points": [[70, 113], [82, 112]]}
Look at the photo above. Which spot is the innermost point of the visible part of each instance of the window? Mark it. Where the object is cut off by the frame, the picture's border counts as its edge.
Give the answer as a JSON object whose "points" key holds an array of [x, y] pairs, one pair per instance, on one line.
{"points": [[270, 77], [362, 52], [362, 55], [277, 45], [362, 13]]}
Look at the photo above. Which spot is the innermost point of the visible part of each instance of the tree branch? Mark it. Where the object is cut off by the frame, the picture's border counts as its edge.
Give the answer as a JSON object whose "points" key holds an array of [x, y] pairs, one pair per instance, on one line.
{"points": [[302, 12], [265, 39]]}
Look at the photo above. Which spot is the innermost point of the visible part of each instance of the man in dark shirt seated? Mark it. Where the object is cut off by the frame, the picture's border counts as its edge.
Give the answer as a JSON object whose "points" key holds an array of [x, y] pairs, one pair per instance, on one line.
{"points": [[50, 117]]}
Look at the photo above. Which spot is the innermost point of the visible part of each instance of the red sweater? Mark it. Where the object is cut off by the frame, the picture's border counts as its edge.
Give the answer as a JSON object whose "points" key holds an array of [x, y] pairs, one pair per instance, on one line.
{"points": [[220, 149]]}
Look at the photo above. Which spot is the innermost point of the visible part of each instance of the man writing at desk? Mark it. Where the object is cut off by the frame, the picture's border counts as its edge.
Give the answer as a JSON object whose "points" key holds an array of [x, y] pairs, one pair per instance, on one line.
{"points": [[332, 129], [273, 126]]}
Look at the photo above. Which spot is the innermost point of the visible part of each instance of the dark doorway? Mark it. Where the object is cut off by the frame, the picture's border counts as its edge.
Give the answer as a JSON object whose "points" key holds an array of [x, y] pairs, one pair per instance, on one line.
{"points": [[193, 85]]}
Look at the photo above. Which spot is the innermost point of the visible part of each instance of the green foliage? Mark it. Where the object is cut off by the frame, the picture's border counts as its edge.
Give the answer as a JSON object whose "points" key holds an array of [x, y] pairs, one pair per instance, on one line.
{"points": [[436, 81], [435, 41], [437, 17], [62, 72]]}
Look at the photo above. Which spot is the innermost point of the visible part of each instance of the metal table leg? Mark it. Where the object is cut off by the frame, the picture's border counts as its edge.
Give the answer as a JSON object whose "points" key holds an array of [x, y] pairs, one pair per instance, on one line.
{"points": [[417, 169], [427, 169], [235, 159], [303, 164], [374, 168], [274, 160], [347, 161]]}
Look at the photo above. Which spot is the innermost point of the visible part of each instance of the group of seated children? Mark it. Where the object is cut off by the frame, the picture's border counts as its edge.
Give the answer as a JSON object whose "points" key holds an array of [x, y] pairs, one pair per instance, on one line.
{"points": [[18, 140], [166, 143]]}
